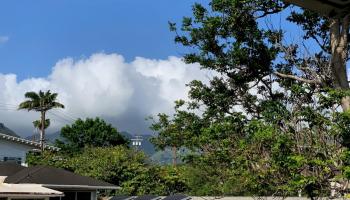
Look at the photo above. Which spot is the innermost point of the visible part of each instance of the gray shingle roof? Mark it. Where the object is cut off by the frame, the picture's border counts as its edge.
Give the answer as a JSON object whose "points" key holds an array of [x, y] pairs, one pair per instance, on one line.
{"points": [[56, 178], [148, 197], [177, 197], [122, 197], [9, 168]]}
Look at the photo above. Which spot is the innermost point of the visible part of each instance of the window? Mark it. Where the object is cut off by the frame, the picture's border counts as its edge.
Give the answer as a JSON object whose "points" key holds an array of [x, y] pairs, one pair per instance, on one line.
{"points": [[69, 196], [74, 196], [84, 196]]}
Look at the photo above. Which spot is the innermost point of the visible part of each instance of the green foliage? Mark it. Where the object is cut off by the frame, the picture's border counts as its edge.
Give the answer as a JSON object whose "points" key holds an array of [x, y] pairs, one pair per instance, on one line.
{"points": [[40, 102], [257, 133], [111, 164], [118, 165], [37, 123], [89, 133], [156, 180]]}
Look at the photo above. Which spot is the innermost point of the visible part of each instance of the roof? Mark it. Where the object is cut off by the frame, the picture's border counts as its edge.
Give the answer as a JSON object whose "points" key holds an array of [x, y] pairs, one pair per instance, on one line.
{"points": [[9, 168], [28, 190], [122, 197], [26, 142], [177, 197], [56, 178], [332, 8], [147, 197]]}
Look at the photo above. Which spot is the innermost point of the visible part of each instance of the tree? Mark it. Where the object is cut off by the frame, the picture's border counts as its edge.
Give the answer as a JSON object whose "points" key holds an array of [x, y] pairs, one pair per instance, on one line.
{"points": [[334, 30], [111, 164], [271, 113], [41, 102], [89, 133], [173, 132], [37, 124]]}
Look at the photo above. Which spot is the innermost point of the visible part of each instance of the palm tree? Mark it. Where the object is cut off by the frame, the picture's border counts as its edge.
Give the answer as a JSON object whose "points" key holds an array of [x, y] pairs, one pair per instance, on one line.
{"points": [[41, 102], [37, 124]]}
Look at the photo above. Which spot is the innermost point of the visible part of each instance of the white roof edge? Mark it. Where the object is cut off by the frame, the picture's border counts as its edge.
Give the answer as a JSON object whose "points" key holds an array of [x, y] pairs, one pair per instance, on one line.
{"points": [[27, 142], [33, 190]]}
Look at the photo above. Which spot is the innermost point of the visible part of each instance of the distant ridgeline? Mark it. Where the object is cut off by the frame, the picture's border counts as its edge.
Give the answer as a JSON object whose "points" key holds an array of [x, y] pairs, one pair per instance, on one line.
{"points": [[161, 157], [7, 131], [146, 146]]}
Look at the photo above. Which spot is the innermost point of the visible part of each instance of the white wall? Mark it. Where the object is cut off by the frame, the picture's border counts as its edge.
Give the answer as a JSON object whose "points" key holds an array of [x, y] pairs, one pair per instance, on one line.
{"points": [[13, 149]]}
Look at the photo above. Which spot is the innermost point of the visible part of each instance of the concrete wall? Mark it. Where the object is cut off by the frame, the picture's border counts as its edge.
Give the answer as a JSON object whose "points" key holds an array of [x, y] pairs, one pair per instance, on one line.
{"points": [[13, 149]]}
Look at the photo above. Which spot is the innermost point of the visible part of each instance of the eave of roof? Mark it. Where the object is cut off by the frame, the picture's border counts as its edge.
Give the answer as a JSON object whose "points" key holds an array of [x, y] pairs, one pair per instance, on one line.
{"points": [[27, 142], [32, 190], [85, 187]]}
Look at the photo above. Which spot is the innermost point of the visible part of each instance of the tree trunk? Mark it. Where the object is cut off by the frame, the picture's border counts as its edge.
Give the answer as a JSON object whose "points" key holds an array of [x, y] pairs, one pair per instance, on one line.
{"points": [[174, 150], [42, 132], [339, 30]]}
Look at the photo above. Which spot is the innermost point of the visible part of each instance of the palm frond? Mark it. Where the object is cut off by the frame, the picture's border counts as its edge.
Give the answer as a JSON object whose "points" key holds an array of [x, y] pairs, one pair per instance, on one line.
{"points": [[57, 105], [31, 95], [28, 105], [37, 123]]}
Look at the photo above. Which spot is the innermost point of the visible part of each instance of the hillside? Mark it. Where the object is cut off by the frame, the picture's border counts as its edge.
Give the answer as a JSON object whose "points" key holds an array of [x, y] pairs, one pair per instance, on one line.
{"points": [[146, 145], [7, 131], [160, 157]]}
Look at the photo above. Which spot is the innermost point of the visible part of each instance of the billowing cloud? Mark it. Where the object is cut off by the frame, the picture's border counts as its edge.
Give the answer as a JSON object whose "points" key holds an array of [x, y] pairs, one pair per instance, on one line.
{"points": [[103, 85]]}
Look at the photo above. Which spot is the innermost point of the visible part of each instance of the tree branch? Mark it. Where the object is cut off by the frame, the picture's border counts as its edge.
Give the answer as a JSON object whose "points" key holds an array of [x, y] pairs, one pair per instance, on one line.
{"points": [[290, 76]]}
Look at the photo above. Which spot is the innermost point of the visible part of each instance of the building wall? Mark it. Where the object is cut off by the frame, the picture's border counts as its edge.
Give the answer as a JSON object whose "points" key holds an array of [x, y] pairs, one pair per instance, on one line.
{"points": [[11, 149]]}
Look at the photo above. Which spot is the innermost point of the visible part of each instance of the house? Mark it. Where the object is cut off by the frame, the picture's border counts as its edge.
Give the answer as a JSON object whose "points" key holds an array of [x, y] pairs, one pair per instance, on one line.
{"points": [[40, 182], [14, 148], [49, 183], [22, 191]]}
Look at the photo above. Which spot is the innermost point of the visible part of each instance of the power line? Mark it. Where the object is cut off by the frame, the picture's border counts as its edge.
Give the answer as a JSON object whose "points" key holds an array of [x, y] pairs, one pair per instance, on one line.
{"points": [[58, 114], [66, 114], [59, 117]]}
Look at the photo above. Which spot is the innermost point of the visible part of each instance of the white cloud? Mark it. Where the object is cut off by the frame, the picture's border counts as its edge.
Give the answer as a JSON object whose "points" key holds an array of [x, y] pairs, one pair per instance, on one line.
{"points": [[4, 39], [102, 85]]}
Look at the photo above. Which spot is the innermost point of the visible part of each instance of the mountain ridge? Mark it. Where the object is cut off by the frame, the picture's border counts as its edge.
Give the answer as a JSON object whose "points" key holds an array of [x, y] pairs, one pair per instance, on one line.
{"points": [[7, 131]]}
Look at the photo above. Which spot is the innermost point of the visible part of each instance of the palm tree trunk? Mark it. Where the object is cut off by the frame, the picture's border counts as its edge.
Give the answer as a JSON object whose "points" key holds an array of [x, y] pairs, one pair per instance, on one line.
{"points": [[42, 133], [339, 30]]}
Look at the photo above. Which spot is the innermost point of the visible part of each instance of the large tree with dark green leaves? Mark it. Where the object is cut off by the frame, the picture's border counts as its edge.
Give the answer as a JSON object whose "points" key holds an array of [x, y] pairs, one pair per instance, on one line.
{"points": [[174, 132], [272, 116], [41, 102], [89, 133]]}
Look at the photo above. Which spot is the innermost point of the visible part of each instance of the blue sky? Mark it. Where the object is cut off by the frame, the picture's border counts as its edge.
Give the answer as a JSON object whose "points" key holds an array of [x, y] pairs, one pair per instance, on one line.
{"points": [[41, 32]]}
